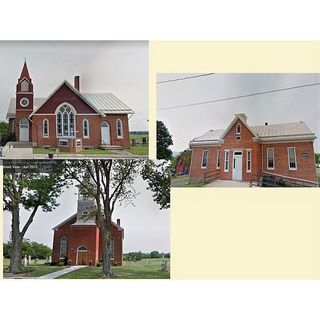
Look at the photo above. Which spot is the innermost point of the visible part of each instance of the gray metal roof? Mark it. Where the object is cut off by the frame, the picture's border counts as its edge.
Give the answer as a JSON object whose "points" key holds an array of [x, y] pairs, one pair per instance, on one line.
{"points": [[210, 137], [106, 102], [102, 103], [270, 132], [37, 102], [282, 129]]}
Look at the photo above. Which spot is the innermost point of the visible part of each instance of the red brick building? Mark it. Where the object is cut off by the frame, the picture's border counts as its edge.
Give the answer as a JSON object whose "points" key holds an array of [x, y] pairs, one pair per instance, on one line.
{"points": [[242, 151], [78, 241], [68, 119]]}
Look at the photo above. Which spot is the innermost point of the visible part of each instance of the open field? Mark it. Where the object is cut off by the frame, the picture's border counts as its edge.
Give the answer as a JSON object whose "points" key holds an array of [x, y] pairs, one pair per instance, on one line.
{"points": [[144, 269], [139, 148], [34, 270]]}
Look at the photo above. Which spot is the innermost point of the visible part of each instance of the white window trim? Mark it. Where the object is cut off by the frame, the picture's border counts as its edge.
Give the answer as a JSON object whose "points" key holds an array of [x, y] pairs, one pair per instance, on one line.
{"points": [[203, 152], [238, 126], [22, 105], [225, 162], [295, 159], [247, 152], [119, 136], [274, 163], [88, 136], [60, 140], [43, 134], [218, 158], [63, 237], [24, 80], [75, 120]]}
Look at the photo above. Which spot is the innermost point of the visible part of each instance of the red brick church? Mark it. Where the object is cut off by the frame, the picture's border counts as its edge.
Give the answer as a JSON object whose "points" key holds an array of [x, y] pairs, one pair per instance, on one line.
{"points": [[241, 151], [77, 240], [67, 118]]}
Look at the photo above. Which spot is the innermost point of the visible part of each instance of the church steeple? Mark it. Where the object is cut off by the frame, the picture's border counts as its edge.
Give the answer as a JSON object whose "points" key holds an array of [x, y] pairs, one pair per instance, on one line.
{"points": [[24, 105], [25, 82], [25, 71], [86, 205]]}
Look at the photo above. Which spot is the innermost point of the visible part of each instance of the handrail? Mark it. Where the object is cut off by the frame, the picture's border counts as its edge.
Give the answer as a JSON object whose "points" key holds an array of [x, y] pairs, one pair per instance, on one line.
{"points": [[210, 176], [270, 180]]}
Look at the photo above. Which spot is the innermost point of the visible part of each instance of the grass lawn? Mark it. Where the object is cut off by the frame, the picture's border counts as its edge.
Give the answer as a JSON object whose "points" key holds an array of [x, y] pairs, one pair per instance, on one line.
{"points": [[142, 150], [96, 151], [181, 181], [138, 136], [144, 269], [45, 151], [34, 270]]}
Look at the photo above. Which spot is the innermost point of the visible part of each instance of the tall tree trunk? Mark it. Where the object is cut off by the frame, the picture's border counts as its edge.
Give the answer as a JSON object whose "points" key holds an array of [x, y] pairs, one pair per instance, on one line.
{"points": [[106, 256], [16, 251]]}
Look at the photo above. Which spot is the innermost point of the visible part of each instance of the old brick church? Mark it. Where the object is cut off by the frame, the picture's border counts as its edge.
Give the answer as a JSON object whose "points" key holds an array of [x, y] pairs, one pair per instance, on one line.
{"points": [[241, 152], [68, 119], [77, 240]]}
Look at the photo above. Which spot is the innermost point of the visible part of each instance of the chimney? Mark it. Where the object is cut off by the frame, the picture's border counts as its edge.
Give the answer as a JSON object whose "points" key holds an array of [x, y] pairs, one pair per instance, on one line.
{"points": [[266, 123], [77, 82], [118, 222], [242, 116]]}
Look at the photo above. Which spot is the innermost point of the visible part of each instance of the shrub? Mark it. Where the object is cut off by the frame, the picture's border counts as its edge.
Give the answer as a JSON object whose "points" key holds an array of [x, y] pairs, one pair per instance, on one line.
{"points": [[60, 264], [98, 264]]}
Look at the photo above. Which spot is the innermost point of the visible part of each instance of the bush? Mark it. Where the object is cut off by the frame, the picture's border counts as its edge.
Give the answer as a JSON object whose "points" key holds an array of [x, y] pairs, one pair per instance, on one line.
{"points": [[53, 264], [60, 264], [98, 264]]}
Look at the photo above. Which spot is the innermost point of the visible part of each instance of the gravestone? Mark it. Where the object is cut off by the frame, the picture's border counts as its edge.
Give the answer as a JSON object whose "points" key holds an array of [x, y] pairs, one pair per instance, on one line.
{"points": [[164, 264], [36, 260], [29, 259], [50, 259], [25, 261]]}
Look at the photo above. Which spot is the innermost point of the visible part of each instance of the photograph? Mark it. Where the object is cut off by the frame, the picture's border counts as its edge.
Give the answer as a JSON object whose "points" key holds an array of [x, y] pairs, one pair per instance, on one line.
{"points": [[240, 130], [74, 99], [86, 219]]}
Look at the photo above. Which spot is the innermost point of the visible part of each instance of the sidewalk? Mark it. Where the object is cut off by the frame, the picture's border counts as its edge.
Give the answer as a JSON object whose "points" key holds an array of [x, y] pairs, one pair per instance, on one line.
{"points": [[59, 273]]}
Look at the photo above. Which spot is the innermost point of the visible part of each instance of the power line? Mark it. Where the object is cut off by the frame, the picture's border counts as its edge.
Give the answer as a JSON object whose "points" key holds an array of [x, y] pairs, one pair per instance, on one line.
{"points": [[185, 78], [239, 97]]}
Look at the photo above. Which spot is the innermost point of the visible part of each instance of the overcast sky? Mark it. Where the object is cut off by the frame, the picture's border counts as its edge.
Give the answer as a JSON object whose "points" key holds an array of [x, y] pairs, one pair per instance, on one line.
{"points": [[119, 67], [288, 106], [146, 228]]}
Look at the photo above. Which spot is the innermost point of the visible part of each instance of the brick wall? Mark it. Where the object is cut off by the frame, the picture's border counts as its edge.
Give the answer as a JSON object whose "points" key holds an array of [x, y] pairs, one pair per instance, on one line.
{"points": [[306, 167], [94, 139], [118, 243], [88, 236]]}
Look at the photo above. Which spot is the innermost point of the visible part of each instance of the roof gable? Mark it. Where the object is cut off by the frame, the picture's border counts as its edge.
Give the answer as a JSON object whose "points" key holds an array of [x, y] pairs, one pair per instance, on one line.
{"points": [[65, 92], [74, 217], [234, 121]]}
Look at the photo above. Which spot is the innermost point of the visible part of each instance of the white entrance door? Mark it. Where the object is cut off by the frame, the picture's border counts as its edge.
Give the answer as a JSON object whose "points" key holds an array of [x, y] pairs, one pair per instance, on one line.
{"points": [[24, 130], [237, 166], [105, 133]]}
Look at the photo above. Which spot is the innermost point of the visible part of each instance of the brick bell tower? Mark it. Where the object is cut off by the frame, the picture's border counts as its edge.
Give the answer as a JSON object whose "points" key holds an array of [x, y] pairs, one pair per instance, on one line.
{"points": [[24, 105]]}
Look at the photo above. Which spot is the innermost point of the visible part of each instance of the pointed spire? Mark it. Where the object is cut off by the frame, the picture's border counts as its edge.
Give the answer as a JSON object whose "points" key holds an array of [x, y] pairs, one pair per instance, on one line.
{"points": [[25, 71]]}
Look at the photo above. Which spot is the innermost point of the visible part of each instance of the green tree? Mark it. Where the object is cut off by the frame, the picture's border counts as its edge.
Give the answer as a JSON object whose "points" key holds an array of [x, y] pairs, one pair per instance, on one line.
{"points": [[31, 191], [164, 141], [108, 182], [5, 134], [157, 174], [155, 254], [317, 158]]}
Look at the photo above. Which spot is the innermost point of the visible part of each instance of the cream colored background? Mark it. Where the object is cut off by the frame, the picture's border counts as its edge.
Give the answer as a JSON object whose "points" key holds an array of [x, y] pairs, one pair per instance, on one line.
{"points": [[240, 233]]}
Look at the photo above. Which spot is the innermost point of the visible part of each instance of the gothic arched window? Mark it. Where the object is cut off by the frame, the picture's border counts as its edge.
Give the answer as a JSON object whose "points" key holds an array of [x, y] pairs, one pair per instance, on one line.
{"points": [[66, 122]]}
